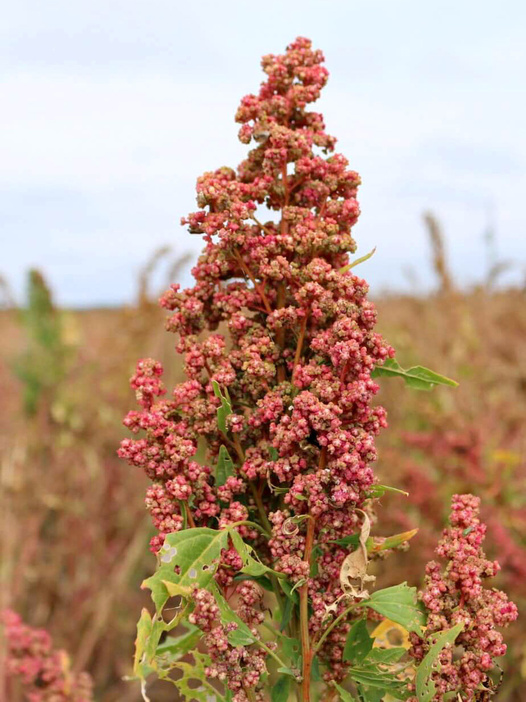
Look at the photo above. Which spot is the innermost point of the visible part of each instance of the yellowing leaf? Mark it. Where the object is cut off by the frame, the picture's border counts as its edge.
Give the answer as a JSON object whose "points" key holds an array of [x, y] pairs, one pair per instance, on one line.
{"points": [[382, 631]]}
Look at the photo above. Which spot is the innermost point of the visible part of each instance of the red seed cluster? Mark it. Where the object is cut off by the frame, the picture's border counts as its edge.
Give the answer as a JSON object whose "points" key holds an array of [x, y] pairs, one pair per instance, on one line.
{"points": [[456, 593]]}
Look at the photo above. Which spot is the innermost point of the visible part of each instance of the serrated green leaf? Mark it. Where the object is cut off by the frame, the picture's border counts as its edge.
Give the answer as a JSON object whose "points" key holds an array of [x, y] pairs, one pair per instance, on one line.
{"points": [[224, 467], [399, 604], [195, 552], [344, 695], [241, 636], [225, 408], [425, 686], [417, 377], [358, 643], [280, 690], [251, 565]]}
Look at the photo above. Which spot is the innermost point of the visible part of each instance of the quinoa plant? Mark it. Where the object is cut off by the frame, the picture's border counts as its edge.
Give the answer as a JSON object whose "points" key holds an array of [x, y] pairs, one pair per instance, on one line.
{"points": [[265, 584]]}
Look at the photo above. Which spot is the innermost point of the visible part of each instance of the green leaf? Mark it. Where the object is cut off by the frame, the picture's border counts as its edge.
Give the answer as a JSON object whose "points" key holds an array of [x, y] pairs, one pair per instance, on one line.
{"points": [[291, 649], [425, 686], [357, 261], [251, 565], [393, 541], [315, 670], [384, 656], [192, 673], [175, 647], [371, 694], [358, 643], [241, 635], [344, 695], [417, 377], [379, 490], [224, 410], [288, 671], [350, 540], [195, 552], [224, 467], [371, 676], [144, 630], [280, 690], [399, 604]]}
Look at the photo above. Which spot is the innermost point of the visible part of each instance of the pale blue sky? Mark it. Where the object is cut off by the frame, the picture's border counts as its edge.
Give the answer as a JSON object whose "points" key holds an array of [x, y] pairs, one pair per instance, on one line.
{"points": [[112, 108]]}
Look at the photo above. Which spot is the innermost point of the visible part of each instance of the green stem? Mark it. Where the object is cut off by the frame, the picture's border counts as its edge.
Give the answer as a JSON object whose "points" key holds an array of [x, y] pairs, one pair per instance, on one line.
{"points": [[271, 653], [331, 627]]}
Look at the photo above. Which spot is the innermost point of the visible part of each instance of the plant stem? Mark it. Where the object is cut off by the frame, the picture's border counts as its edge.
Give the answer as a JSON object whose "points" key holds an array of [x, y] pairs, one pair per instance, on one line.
{"points": [[189, 517], [307, 653], [257, 286], [299, 346]]}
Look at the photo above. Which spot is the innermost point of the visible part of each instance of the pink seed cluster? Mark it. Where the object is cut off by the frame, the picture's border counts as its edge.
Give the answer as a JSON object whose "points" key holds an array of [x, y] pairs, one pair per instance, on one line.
{"points": [[456, 593], [42, 672]]}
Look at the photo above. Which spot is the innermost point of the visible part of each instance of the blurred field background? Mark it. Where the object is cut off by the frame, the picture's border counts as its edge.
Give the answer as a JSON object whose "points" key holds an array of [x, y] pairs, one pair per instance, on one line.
{"points": [[73, 525]]}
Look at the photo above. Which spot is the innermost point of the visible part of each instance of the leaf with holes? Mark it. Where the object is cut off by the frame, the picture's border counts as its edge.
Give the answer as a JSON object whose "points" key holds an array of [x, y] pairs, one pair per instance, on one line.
{"points": [[144, 630], [417, 377], [398, 603], [358, 643], [201, 690], [195, 553], [224, 467], [224, 410], [149, 632], [425, 686]]}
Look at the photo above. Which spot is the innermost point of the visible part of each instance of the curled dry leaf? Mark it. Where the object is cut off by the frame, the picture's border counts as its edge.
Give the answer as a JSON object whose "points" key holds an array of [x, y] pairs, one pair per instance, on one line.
{"points": [[353, 573]]}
